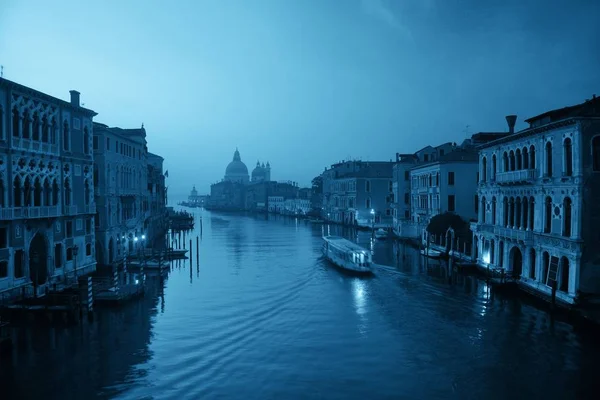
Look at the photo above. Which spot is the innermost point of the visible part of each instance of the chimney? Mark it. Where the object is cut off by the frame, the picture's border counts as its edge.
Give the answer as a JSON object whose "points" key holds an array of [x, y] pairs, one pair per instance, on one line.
{"points": [[74, 98], [511, 119]]}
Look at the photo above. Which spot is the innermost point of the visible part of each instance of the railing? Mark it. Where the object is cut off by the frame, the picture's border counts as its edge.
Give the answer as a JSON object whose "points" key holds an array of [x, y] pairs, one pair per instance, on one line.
{"points": [[29, 212], [89, 209], [477, 227], [515, 234], [523, 175], [34, 145], [70, 210]]}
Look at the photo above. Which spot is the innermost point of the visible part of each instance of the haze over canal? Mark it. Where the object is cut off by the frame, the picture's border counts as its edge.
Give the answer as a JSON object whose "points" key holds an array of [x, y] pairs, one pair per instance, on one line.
{"points": [[265, 317]]}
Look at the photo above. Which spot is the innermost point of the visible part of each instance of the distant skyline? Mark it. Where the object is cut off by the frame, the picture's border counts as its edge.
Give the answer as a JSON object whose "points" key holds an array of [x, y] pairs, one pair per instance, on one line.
{"points": [[303, 84]]}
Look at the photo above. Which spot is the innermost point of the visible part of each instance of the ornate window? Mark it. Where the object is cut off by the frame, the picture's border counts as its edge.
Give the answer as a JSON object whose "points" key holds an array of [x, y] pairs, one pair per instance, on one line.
{"points": [[548, 158], [548, 215], [494, 210], [567, 220], [484, 169], [532, 157], [568, 156], [494, 167], [512, 160], [16, 121], [505, 162], [86, 141], [525, 156]]}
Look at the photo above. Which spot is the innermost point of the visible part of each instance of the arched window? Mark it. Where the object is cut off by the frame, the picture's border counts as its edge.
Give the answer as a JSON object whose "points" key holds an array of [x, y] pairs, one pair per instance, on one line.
{"points": [[1, 123], [548, 158], [531, 212], [86, 141], [532, 263], [67, 192], [53, 128], [45, 129], [494, 210], [483, 211], [548, 215], [532, 157], [564, 275], [525, 156], [2, 192], [511, 206], [596, 152], [55, 192], [484, 169], [26, 125], [27, 192], [17, 192], [47, 193], [494, 167], [500, 254], [512, 160], [505, 211], [36, 127], [567, 217], [519, 161], [525, 211], [16, 121], [492, 252], [37, 193], [505, 162], [430, 180], [517, 213], [568, 156], [66, 137]]}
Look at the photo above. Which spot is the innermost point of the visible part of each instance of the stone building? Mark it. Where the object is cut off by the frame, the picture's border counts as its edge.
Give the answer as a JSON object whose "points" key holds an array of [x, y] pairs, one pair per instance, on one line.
{"points": [[359, 193], [262, 172], [46, 189], [539, 194], [156, 225], [444, 185], [401, 185], [121, 190]]}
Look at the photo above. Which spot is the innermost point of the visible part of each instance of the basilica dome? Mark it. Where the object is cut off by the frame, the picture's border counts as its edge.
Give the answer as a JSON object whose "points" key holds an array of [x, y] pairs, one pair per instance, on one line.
{"points": [[236, 171]]}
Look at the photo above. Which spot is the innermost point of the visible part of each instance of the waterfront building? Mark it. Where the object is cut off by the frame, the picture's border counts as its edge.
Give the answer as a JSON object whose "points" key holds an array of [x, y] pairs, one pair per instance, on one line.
{"points": [[236, 170], [358, 193], [276, 204], [445, 185], [401, 185], [121, 190], [156, 225], [539, 194], [46, 190]]}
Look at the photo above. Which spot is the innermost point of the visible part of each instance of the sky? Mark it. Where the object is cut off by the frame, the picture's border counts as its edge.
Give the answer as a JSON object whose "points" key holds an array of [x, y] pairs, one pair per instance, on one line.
{"points": [[303, 83]]}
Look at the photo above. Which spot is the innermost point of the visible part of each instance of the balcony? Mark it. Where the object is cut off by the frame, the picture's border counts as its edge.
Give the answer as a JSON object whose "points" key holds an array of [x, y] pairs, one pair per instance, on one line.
{"points": [[29, 212], [477, 227], [70, 210], [34, 145], [514, 234], [89, 209], [516, 177]]}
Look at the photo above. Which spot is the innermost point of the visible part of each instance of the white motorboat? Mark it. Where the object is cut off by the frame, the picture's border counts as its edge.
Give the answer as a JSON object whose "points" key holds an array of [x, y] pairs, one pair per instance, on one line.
{"points": [[381, 233], [347, 255]]}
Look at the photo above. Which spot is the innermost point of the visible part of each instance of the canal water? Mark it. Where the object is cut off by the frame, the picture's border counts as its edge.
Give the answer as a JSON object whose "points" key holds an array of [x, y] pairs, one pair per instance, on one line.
{"points": [[263, 316]]}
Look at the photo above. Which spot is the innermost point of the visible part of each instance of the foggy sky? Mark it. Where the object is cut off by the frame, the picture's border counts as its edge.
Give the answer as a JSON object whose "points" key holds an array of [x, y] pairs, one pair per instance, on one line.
{"points": [[303, 83]]}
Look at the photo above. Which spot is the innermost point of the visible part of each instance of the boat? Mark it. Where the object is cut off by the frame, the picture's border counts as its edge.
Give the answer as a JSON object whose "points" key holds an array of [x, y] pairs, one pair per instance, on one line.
{"points": [[381, 233], [347, 255], [431, 253]]}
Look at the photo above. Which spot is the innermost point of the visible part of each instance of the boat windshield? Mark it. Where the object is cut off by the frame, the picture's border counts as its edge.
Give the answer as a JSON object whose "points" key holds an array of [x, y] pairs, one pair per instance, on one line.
{"points": [[359, 259]]}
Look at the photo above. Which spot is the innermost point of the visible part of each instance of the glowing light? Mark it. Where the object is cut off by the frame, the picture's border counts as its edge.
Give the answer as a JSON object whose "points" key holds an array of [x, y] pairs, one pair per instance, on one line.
{"points": [[372, 211], [143, 237], [135, 239], [486, 257], [137, 281]]}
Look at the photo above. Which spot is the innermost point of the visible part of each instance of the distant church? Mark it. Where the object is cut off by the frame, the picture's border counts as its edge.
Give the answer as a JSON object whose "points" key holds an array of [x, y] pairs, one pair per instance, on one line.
{"points": [[237, 171]]}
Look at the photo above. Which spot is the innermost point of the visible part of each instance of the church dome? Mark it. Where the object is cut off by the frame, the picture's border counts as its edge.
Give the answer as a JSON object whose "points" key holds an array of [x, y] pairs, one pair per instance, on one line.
{"points": [[236, 169]]}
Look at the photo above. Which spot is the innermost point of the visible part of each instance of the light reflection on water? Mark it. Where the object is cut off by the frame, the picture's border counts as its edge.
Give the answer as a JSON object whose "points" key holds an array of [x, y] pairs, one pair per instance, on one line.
{"points": [[266, 317]]}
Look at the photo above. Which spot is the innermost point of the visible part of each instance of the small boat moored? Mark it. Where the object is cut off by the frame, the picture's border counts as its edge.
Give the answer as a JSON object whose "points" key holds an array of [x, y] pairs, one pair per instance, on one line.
{"points": [[347, 255], [381, 233]]}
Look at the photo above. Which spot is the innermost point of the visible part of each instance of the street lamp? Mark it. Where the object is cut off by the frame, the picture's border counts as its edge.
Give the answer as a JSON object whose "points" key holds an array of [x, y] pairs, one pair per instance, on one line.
{"points": [[372, 222]]}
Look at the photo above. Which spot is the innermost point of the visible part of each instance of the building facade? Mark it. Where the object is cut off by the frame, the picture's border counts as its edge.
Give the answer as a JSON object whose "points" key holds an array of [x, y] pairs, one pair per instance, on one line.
{"points": [[446, 185], [156, 225], [359, 193], [121, 190], [46, 190], [539, 195]]}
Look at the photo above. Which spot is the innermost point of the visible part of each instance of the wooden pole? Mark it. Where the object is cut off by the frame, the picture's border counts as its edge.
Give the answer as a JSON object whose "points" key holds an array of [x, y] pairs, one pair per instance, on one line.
{"points": [[197, 252], [191, 250]]}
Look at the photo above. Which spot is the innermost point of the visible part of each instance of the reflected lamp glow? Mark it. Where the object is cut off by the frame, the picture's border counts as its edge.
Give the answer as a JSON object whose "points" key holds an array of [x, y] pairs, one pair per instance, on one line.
{"points": [[486, 257], [372, 211], [143, 237], [135, 239]]}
